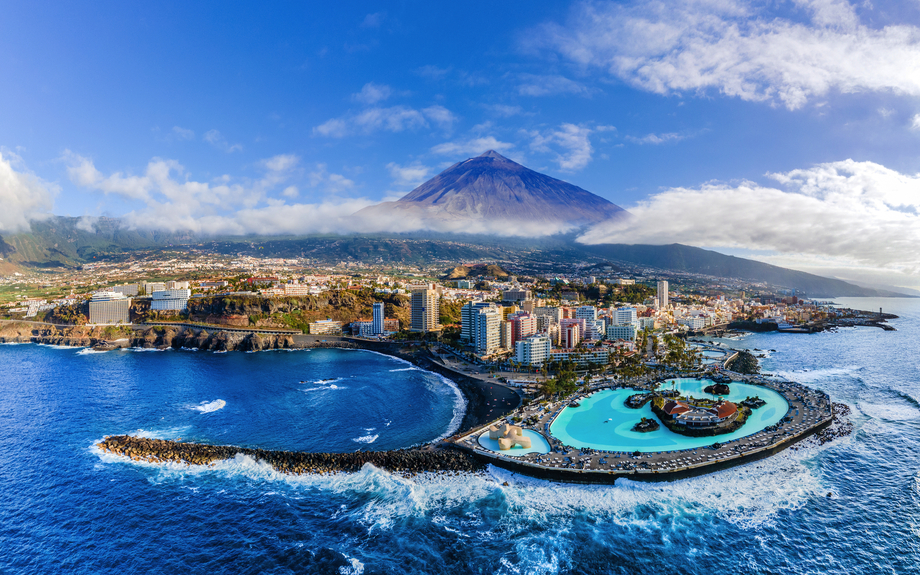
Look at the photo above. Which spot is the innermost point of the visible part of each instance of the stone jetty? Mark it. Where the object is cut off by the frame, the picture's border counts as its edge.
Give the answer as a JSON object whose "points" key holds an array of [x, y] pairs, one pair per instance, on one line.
{"points": [[403, 461]]}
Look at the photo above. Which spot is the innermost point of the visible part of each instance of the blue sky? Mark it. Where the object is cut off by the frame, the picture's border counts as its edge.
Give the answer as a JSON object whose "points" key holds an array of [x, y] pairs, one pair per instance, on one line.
{"points": [[802, 116]]}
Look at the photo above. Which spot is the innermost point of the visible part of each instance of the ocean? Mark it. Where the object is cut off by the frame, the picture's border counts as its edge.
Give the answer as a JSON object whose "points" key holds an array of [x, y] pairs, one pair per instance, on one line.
{"points": [[850, 506]]}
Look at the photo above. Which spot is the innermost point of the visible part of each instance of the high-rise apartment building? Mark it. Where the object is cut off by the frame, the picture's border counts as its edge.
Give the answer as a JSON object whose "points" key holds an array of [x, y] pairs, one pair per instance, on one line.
{"points": [[523, 325], [570, 335], [487, 330], [377, 327], [663, 294], [425, 310], [468, 315]]}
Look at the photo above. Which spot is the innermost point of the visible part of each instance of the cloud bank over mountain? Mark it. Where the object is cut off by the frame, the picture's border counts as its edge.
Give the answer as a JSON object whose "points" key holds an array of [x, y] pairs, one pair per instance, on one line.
{"points": [[23, 195], [840, 215]]}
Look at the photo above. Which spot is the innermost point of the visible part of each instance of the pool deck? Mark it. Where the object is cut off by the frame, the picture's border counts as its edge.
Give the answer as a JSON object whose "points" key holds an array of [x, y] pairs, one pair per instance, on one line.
{"points": [[809, 412]]}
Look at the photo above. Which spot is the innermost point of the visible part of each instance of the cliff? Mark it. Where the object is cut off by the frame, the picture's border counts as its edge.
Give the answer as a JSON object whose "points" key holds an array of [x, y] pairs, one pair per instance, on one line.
{"points": [[150, 338]]}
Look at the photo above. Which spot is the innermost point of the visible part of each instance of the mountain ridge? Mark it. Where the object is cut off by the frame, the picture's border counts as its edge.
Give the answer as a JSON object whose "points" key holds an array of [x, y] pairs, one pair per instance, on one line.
{"points": [[63, 242]]}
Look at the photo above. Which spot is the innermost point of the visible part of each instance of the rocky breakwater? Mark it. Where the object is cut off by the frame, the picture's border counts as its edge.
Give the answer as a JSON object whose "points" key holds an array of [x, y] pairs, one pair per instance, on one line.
{"points": [[403, 461]]}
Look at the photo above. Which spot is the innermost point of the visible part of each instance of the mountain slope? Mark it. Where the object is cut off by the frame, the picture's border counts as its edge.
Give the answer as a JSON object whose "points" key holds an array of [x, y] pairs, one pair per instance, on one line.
{"points": [[689, 259], [491, 187]]}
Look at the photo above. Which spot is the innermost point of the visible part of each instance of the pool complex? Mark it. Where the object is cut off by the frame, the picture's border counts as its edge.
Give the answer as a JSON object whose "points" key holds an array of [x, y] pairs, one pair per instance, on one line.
{"points": [[603, 422], [538, 444]]}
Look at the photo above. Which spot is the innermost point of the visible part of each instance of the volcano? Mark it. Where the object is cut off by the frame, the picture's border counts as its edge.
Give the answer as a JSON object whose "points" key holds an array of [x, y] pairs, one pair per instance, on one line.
{"points": [[490, 188]]}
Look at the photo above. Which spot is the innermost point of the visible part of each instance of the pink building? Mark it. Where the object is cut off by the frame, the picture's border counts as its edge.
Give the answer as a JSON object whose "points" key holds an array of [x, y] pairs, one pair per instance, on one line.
{"points": [[523, 325]]}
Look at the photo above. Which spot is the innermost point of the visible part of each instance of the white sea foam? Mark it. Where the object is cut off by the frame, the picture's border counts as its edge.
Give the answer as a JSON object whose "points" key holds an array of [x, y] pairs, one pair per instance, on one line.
{"points": [[459, 409], [354, 566], [815, 375], [88, 351], [327, 381], [330, 387], [413, 368], [366, 438], [52, 346], [145, 349], [210, 406]]}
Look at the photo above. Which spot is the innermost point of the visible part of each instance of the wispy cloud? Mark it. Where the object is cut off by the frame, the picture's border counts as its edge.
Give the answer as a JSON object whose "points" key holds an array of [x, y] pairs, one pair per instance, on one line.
{"points": [[392, 119], [657, 138], [374, 20], [550, 85], [408, 176], [372, 93], [857, 212], [217, 140], [570, 143], [471, 147], [182, 133], [750, 51]]}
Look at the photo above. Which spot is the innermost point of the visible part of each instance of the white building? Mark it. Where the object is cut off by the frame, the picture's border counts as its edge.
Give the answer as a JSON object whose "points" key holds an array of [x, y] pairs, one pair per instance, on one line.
{"points": [[171, 299], [487, 330], [626, 332], [693, 323], [647, 323], [172, 284], [533, 350], [625, 316], [581, 359], [109, 308], [586, 312]]}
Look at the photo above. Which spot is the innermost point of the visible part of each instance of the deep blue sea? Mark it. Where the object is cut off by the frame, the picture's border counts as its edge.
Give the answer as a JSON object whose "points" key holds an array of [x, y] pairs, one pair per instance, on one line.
{"points": [[65, 507]]}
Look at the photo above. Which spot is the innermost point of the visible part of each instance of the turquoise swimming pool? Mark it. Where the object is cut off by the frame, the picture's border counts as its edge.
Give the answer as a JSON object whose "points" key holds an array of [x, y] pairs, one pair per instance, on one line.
{"points": [[538, 444], [603, 422]]}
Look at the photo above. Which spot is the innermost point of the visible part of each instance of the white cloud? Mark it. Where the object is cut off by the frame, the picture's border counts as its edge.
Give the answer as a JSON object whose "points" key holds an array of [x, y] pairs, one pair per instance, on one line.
{"points": [[915, 122], [172, 201], [372, 93], [471, 147], [550, 85], [657, 138], [23, 195], [215, 138], [392, 119], [744, 50], [857, 212], [183, 133], [409, 176], [574, 141]]}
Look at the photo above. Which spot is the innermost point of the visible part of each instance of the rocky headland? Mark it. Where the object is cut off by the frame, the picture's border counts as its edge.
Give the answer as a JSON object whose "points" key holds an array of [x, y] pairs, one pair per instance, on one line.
{"points": [[154, 337]]}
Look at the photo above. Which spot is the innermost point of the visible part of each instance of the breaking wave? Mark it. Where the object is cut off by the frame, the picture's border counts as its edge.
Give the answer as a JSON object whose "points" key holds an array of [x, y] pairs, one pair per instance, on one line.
{"points": [[210, 406]]}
